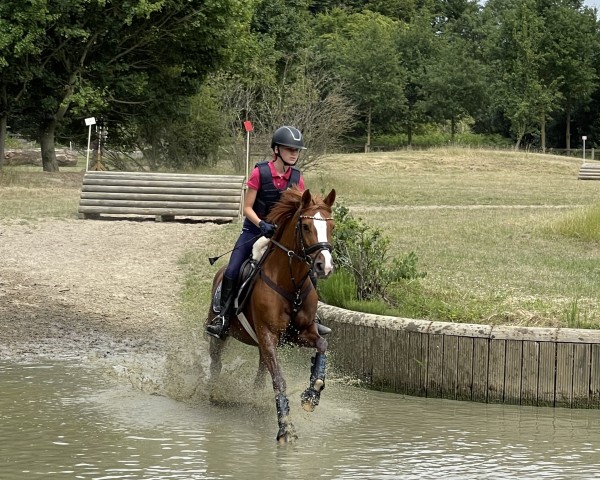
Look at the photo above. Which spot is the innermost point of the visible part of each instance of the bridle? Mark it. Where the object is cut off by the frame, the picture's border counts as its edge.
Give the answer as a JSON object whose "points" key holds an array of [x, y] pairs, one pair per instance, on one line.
{"points": [[305, 256]]}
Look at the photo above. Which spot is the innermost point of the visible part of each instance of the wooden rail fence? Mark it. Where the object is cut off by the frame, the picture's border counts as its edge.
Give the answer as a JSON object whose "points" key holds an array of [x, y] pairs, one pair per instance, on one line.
{"points": [[493, 364], [163, 195]]}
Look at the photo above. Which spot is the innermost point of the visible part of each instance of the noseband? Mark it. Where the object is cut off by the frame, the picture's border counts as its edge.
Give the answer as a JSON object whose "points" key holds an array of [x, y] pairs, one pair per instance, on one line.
{"points": [[306, 252]]}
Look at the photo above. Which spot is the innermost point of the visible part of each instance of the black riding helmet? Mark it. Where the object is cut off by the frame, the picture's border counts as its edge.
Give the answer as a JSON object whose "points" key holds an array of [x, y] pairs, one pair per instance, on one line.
{"points": [[288, 137]]}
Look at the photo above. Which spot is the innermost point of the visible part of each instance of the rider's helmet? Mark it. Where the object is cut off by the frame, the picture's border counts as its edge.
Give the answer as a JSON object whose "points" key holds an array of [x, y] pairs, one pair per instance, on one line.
{"points": [[288, 137]]}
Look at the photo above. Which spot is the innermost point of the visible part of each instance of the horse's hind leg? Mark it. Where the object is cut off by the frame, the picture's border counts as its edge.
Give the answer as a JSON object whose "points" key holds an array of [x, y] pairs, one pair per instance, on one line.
{"points": [[261, 374]]}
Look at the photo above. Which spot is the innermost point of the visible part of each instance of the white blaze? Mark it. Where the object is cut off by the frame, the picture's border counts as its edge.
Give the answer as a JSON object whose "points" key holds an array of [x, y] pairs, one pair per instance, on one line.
{"points": [[321, 227]]}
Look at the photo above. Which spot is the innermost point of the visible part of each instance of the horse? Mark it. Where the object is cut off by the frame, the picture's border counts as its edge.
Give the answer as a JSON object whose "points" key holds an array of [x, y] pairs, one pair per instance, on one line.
{"points": [[282, 305]]}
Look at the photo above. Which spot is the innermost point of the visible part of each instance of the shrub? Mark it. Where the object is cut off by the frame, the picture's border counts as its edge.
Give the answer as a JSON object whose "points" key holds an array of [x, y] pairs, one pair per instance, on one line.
{"points": [[362, 252]]}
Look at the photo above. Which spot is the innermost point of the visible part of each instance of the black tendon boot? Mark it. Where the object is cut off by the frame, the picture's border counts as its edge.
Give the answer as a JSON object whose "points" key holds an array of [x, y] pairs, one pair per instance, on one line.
{"points": [[219, 325]]}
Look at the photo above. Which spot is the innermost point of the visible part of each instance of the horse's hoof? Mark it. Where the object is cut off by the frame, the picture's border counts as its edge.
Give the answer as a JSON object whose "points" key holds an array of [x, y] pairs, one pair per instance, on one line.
{"points": [[310, 399], [284, 438]]}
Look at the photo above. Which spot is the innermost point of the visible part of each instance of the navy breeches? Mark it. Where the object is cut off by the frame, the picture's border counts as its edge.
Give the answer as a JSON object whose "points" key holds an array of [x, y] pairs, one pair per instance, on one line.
{"points": [[242, 249]]}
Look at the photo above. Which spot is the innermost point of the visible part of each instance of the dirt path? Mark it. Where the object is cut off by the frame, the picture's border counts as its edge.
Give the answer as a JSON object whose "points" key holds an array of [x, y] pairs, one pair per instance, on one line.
{"points": [[79, 288]]}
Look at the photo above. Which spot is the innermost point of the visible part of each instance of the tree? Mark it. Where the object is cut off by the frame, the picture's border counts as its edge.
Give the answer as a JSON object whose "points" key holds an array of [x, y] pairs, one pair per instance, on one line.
{"points": [[22, 27], [304, 96], [523, 89], [454, 82], [416, 46], [361, 50], [286, 22], [571, 41], [124, 57]]}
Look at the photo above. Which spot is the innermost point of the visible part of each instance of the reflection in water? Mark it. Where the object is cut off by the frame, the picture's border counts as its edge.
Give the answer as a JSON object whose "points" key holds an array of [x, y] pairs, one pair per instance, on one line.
{"points": [[63, 421]]}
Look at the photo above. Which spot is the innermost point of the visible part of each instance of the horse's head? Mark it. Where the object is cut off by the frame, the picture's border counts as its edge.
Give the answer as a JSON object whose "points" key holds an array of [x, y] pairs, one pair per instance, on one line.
{"points": [[315, 226], [305, 227]]}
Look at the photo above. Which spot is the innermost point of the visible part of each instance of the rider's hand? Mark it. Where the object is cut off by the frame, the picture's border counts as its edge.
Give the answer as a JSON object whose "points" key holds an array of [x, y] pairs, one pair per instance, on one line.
{"points": [[267, 229]]}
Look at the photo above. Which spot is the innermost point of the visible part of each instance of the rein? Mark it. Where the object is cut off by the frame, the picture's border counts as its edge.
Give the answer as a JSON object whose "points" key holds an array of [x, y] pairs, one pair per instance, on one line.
{"points": [[299, 295]]}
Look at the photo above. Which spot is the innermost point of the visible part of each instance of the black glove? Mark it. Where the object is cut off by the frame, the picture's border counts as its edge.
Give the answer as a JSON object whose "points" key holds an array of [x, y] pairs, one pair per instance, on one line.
{"points": [[267, 229]]}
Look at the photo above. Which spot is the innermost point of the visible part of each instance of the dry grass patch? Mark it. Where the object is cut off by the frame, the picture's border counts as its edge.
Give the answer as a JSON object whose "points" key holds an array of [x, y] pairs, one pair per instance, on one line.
{"points": [[34, 195]]}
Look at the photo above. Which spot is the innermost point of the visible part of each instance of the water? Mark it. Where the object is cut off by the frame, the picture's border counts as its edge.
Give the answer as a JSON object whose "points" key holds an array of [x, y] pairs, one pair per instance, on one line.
{"points": [[62, 421]]}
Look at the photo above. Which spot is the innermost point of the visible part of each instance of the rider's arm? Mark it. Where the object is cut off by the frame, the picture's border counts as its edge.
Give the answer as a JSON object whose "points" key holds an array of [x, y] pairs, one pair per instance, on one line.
{"points": [[249, 212]]}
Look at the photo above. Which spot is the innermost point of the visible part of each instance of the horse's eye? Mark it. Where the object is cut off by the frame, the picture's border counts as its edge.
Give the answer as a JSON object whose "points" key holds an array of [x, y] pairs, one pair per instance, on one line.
{"points": [[306, 227]]}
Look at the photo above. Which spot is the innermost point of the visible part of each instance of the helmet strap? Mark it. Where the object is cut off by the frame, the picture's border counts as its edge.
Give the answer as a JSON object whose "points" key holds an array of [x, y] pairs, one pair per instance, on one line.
{"points": [[278, 155]]}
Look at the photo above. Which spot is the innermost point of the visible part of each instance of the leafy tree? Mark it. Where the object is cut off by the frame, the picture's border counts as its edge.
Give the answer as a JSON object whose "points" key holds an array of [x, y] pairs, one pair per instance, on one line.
{"points": [[571, 41], [403, 10], [361, 50], [22, 28], [523, 90], [129, 58], [417, 46], [286, 22], [455, 82]]}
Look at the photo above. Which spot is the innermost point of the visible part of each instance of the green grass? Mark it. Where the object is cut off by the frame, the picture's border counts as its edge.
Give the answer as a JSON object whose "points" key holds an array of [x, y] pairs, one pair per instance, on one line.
{"points": [[488, 228], [505, 238]]}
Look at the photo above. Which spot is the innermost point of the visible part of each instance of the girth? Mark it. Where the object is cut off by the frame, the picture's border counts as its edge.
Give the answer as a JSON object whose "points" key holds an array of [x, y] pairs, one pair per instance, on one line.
{"points": [[296, 299]]}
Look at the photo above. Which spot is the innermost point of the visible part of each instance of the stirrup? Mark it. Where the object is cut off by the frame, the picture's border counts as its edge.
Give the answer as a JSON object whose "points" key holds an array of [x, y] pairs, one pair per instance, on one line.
{"points": [[217, 327]]}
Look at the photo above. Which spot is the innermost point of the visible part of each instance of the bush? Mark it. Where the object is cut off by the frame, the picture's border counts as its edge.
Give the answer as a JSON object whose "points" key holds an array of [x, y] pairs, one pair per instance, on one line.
{"points": [[362, 252]]}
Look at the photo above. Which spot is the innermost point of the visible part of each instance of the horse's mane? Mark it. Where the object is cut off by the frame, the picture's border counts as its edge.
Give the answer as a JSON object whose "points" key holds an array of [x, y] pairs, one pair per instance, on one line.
{"points": [[288, 204]]}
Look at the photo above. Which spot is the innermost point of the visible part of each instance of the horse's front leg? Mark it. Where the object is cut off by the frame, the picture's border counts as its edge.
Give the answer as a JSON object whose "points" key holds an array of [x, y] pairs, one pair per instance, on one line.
{"points": [[312, 395], [268, 352]]}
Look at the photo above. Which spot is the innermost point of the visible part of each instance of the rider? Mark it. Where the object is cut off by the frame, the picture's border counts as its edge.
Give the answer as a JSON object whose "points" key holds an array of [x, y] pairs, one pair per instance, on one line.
{"points": [[265, 184]]}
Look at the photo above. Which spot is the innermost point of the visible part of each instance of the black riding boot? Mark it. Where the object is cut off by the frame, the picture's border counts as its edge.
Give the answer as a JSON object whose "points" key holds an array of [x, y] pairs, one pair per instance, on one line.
{"points": [[219, 325]]}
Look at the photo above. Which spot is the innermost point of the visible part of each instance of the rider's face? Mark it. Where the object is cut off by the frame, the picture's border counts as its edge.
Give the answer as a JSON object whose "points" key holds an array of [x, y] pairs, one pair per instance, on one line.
{"points": [[289, 155]]}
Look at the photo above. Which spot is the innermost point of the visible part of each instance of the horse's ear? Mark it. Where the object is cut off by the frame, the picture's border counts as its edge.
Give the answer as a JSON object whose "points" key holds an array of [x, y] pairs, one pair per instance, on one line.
{"points": [[329, 199], [306, 198]]}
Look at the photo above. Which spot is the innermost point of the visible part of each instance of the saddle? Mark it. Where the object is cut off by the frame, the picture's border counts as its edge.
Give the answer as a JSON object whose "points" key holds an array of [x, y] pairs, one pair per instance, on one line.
{"points": [[246, 278]]}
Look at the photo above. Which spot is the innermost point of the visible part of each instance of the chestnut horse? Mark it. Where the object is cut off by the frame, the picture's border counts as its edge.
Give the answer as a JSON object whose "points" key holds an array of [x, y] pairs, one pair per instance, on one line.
{"points": [[282, 305]]}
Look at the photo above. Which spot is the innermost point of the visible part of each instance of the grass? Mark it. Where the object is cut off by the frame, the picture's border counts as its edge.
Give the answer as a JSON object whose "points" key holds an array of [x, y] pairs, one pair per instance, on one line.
{"points": [[28, 194], [492, 230], [505, 238]]}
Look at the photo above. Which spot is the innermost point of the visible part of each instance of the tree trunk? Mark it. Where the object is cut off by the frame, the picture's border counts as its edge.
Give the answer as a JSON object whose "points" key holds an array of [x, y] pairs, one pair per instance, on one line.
{"points": [[368, 144], [568, 128], [49, 162], [3, 124], [409, 129], [543, 132]]}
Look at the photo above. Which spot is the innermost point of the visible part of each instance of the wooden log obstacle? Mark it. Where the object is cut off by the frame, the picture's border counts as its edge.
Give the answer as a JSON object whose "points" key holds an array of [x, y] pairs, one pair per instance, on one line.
{"points": [[162, 195], [557, 367], [589, 171]]}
